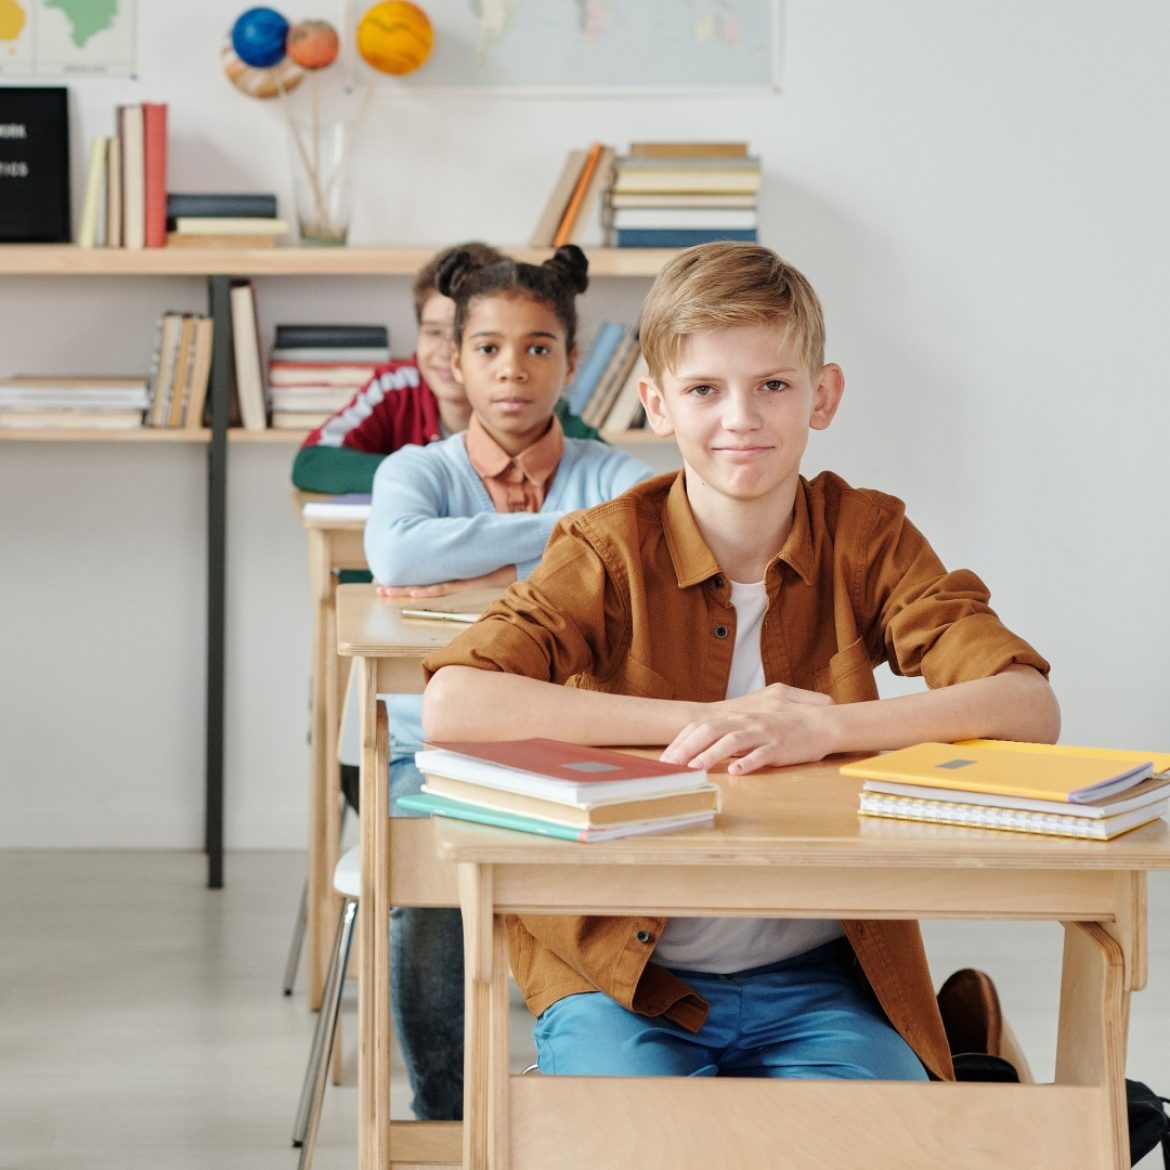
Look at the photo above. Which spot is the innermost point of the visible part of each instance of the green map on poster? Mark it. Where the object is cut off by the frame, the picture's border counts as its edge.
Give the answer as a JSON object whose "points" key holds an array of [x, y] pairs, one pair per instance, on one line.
{"points": [[62, 38]]}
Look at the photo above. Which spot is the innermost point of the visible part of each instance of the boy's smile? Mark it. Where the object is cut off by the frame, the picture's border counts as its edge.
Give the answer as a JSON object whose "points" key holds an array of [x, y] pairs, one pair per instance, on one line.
{"points": [[740, 403], [436, 330]]}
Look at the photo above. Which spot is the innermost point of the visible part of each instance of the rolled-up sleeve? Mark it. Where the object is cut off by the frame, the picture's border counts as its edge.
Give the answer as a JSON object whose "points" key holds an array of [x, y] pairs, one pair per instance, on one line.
{"points": [[932, 621]]}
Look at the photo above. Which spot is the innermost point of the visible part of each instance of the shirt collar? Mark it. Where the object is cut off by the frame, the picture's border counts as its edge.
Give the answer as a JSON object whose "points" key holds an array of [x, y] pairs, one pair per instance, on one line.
{"points": [[695, 562], [538, 462]]}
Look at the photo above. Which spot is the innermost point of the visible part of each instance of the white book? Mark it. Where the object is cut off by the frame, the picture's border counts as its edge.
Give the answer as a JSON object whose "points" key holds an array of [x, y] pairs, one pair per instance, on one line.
{"points": [[978, 816], [246, 348], [133, 135], [1145, 793], [353, 506], [689, 218]]}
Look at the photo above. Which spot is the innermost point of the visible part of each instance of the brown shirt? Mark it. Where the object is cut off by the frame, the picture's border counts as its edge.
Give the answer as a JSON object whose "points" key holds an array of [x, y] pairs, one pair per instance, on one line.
{"points": [[629, 599], [516, 483]]}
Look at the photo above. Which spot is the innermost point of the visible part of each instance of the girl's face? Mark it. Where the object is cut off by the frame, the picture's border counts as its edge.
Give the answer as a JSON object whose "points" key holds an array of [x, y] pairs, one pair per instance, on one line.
{"points": [[513, 365]]}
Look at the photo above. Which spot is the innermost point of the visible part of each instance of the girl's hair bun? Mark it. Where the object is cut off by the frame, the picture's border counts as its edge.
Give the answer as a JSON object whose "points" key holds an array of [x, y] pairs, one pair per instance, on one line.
{"points": [[454, 269], [571, 265]]}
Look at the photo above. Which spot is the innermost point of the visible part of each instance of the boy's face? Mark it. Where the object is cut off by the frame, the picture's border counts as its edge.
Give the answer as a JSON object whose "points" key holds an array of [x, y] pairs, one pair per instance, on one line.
{"points": [[436, 338], [513, 366], [740, 403]]}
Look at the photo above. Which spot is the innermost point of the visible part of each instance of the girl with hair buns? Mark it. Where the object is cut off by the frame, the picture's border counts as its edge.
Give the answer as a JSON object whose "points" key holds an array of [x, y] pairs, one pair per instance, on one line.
{"points": [[470, 510]]}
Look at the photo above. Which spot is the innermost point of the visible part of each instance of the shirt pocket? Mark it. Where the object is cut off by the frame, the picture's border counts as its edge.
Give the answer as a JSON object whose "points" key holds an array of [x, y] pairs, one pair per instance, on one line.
{"points": [[848, 677]]}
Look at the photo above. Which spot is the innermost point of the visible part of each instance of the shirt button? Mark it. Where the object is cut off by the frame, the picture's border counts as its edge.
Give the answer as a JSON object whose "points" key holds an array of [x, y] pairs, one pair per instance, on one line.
{"points": [[717, 582], [720, 631], [643, 936]]}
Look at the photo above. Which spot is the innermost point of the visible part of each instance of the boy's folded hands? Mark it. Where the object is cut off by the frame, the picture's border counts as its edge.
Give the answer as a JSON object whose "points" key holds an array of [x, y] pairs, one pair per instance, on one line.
{"points": [[772, 727]]}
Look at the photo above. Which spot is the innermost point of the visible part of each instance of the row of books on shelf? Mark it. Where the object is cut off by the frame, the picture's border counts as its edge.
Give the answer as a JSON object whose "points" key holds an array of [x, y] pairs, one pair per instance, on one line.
{"points": [[604, 392], [658, 195], [1058, 790], [126, 203], [314, 370]]}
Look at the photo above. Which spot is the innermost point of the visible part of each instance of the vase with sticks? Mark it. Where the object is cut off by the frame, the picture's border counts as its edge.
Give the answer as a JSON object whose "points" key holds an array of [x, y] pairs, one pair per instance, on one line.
{"points": [[320, 152]]}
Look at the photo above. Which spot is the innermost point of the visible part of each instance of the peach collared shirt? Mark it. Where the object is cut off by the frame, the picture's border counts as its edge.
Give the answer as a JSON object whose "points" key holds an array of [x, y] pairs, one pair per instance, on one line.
{"points": [[516, 483]]}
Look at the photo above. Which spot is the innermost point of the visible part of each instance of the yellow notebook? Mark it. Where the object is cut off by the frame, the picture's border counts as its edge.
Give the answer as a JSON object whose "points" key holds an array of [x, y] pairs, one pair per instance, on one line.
{"points": [[1028, 770]]}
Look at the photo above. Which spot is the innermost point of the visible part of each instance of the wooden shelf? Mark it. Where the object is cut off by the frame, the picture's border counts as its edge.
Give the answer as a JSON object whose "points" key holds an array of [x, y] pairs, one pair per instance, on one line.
{"points": [[95, 435], [203, 435], [69, 260]]}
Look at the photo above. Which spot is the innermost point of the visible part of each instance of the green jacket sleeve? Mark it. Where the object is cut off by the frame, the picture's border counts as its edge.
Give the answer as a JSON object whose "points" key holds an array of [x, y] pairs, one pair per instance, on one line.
{"points": [[335, 470], [573, 427]]}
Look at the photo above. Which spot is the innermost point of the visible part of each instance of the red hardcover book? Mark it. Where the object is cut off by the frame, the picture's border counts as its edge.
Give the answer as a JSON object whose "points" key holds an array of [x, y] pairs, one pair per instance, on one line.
{"points": [[559, 770], [154, 117]]}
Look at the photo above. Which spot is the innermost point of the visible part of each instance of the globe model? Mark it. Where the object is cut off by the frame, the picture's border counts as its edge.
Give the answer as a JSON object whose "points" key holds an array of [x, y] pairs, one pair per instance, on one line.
{"points": [[258, 37], [312, 44], [395, 37]]}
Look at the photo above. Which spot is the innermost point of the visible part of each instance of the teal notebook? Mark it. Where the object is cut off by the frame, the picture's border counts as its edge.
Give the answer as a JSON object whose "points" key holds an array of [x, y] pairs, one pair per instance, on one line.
{"points": [[443, 806]]}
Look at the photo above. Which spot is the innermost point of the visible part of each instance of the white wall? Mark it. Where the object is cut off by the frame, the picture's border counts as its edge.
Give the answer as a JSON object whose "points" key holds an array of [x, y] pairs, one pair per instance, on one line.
{"points": [[979, 193]]}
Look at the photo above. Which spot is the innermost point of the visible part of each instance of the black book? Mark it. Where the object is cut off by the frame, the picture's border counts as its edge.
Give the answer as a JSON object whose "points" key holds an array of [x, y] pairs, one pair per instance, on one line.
{"points": [[330, 336], [249, 205], [34, 165]]}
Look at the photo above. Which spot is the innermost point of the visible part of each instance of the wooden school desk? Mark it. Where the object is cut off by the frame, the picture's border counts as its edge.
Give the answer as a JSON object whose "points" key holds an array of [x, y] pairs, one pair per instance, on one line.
{"points": [[388, 651], [791, 842], [334, 544]]}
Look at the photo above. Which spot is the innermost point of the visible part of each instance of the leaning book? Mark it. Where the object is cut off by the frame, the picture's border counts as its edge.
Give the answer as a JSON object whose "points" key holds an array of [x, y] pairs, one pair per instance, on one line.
{"points": [[456, 810]]}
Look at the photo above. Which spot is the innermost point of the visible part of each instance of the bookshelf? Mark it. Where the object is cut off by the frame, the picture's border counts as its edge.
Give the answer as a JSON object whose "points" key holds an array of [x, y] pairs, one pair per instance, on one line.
{"points": [[218, 266]]}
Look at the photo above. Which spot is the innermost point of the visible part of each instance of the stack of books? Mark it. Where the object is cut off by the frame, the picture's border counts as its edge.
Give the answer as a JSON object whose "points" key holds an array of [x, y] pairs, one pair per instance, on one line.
{"points": [[124, 205], [560, 789], [676, 194], [180, 370], [314, 370], [223, 220], [1059, 790], [572, 213], [605, 391], [86, 402]]}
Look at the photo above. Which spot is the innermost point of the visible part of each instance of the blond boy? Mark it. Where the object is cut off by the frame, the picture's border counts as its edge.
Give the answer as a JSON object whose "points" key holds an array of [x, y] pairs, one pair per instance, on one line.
{"points": [[737, 609]]}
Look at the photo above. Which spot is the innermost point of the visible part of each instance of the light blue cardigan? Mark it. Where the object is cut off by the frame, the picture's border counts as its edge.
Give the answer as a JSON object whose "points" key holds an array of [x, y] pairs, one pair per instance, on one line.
{"points": [[431, 519]]}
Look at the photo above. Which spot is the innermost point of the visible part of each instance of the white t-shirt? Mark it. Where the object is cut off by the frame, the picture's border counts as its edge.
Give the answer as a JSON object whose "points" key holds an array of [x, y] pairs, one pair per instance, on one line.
{"points": [[724, 945]]}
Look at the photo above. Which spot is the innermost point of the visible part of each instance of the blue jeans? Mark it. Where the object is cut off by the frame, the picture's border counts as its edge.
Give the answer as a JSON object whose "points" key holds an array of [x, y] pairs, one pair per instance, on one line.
{"points": [[805, 1017], [426, 986]]}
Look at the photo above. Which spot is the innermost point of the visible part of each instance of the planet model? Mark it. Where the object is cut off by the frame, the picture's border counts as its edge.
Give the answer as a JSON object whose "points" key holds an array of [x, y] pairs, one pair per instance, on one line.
{"points": [[312, 44], [395, 37], [258, 37], [260, 83]]}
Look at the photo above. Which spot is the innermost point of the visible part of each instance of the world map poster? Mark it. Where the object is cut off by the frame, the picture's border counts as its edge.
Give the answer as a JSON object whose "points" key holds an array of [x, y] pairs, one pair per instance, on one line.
{"points": [[593, 47], [67, 38]]}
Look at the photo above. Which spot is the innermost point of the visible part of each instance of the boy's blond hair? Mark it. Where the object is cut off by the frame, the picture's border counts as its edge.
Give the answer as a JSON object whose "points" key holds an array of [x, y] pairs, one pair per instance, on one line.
{"points": [[725, 286]]}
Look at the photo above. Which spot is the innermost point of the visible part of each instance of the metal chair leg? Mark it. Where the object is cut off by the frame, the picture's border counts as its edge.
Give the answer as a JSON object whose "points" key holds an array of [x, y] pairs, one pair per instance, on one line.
{"points": [[313, 1091], [301, 922], [298, 941]]}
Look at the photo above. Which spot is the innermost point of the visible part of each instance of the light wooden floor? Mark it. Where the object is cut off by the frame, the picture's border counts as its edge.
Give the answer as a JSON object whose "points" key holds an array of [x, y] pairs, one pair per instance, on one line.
{"points": [[142, 1025]]}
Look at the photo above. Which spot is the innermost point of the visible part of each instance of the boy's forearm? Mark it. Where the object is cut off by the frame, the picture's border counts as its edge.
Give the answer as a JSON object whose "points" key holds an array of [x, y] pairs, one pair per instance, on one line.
{"points": [[462, 702], [1015, 704]]}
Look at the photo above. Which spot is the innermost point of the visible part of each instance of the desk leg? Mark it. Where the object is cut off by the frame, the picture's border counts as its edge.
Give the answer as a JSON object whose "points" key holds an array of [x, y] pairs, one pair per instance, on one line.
{"points": [[374, 932], [1090, 1045], [322, 904], [486, 1065]]}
